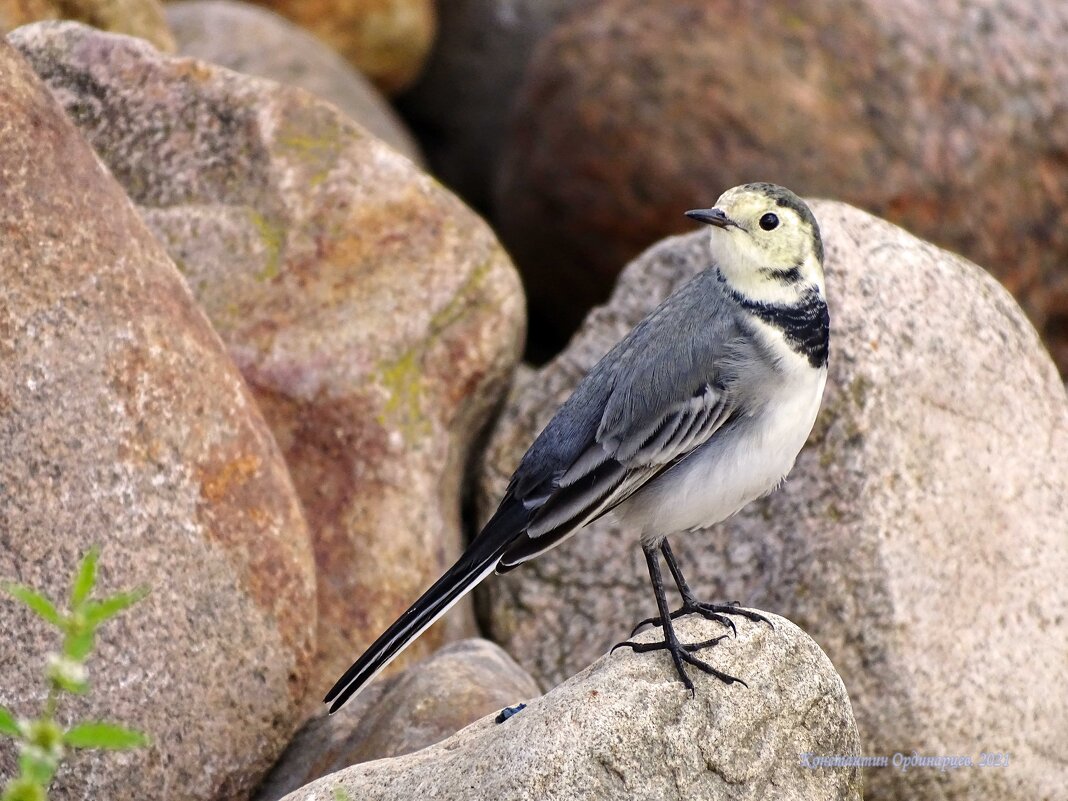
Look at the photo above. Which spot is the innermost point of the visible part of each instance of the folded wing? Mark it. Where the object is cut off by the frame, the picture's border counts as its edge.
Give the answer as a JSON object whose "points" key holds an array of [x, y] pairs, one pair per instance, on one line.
{"points": [[613, 467]]}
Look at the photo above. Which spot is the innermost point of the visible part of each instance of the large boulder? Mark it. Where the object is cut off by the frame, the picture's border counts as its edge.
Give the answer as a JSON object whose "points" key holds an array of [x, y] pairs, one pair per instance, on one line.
{"points": [[374, 316], [461, 103], [626, 728], [124, 424], [246, 38], [461, 683], [143, 18], [387, 40], [947, 117], [921, 538]]}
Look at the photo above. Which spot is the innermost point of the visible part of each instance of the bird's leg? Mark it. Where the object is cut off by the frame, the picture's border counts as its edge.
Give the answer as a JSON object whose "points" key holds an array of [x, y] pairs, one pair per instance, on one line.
{"points": [[691, 606], [680, 654]]}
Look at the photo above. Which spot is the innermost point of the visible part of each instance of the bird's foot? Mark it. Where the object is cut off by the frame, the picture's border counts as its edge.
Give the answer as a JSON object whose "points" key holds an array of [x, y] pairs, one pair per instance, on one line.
{"points": [[681, 655], [714, 612]]}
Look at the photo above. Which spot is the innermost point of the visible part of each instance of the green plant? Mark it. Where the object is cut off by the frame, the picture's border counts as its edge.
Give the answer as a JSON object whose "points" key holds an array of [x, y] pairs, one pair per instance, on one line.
{"points": [[42, 742]]}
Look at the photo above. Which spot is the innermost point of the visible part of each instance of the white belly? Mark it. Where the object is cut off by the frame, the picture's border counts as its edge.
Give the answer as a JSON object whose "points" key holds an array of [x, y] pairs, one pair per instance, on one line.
{"points": [[734, 468]]}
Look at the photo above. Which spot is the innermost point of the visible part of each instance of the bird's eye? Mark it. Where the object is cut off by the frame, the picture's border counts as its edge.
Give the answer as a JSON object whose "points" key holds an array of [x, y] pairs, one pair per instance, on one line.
{"points": [[769, 222]]}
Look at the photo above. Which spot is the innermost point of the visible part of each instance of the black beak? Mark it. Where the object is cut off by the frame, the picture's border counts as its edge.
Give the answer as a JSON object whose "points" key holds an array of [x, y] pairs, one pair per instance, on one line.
{"points": [[711, 217]]}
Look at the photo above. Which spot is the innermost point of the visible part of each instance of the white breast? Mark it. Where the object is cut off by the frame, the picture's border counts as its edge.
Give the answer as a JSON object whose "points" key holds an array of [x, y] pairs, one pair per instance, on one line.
{"points": [[737, 466]]}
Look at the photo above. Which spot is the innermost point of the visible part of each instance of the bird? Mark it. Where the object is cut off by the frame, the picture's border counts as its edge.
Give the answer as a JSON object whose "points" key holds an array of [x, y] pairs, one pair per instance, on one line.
{"points": [[700, 409]]}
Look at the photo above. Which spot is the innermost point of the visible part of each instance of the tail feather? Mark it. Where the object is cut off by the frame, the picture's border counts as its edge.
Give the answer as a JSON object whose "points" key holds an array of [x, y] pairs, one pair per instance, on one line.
{"points": [[476, 563]]}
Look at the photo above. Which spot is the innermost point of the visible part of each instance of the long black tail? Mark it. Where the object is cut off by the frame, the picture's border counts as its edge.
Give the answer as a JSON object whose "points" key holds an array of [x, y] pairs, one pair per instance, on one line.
{"points": [[480, 558]]}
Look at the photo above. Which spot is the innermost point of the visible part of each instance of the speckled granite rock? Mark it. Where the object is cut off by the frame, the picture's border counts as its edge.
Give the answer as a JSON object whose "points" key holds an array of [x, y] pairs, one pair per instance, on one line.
{"points": [[921, 538], [143, 18], [374, 316], [462, 100], [124, 424], [387, 40], [626, 728], [429, 701], [949, 118], [253, 40]]}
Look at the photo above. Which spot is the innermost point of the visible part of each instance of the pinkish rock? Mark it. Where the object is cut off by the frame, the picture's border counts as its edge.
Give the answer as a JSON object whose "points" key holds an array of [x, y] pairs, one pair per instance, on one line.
{"points": [[375, 317], [124, 424], [246, 38], [143, 18]]}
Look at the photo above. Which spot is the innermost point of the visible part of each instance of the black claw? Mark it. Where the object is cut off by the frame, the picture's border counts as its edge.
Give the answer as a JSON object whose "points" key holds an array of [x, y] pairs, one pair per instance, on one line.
{"points": [[732, 608], [714, 612], [682, 653], [645, 647], [655, 621], [640, 623], [726, 678], [698, 646], [724, 621]]}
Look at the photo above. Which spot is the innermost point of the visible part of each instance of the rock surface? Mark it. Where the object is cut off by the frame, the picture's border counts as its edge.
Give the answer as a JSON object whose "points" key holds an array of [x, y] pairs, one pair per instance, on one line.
{"points": [[375, 317], [626, 728], [253, 40], [387, 40], [461, 102], [949, 118], [459, 684], [143, 18], [921, 538], [123, 423]]}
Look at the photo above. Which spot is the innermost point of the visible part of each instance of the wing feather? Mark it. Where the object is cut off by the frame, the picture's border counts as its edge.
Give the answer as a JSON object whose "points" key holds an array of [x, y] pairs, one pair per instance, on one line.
{"points": [[576, 501]]}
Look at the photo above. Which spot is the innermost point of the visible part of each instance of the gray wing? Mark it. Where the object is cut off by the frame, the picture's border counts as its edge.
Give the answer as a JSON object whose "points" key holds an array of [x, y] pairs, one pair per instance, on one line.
{"points": [[655, 398]]}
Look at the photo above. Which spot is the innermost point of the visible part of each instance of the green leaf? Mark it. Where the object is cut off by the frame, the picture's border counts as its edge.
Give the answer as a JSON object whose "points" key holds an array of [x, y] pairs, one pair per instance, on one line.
{"points": [[86, 578], [36, 767], [37, 602], [78, 645], [97, 612], [8, 724], [103, 735]]}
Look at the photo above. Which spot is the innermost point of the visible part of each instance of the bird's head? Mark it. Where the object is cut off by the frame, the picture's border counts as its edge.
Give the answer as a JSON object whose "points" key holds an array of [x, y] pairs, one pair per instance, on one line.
{"points": [[765, 242]]}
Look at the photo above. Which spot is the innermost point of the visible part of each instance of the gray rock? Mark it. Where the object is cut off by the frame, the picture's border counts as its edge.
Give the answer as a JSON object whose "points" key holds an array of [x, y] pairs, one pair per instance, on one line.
{"points": [[626, 728], [253, 40], [374, 316], [462, 101], [459, 684], [124, 424], [921, 538]]}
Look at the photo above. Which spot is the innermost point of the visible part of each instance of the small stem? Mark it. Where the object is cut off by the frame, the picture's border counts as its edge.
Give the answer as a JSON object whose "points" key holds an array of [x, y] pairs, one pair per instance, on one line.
{"points": [[52, 702]]}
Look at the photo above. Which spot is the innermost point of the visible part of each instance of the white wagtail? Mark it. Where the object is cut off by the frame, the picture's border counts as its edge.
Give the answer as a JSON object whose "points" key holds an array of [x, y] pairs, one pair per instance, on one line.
{"points": [[700, 409]]}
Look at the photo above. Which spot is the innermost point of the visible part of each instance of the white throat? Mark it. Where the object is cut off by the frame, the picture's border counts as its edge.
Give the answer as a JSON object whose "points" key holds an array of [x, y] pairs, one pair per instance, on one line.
{"points": [[745, 270]]}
